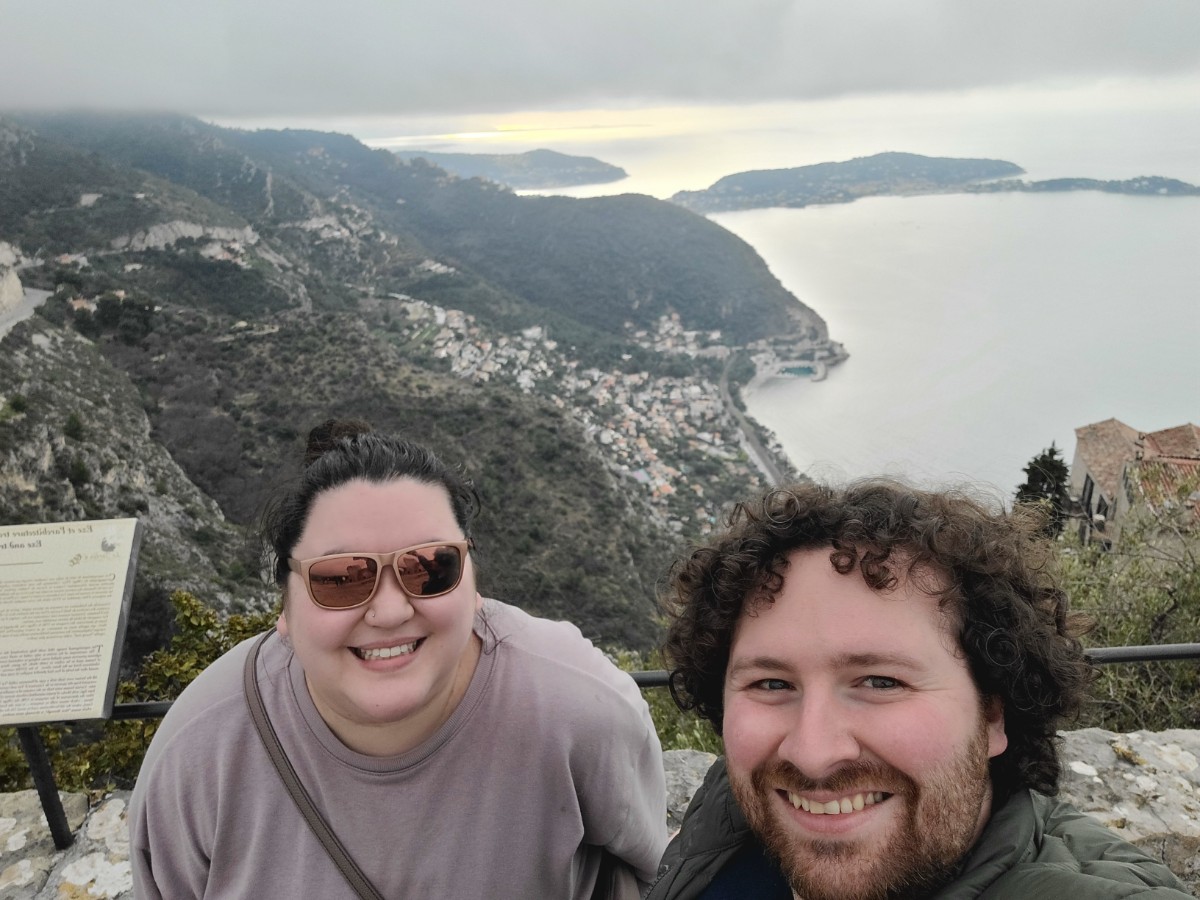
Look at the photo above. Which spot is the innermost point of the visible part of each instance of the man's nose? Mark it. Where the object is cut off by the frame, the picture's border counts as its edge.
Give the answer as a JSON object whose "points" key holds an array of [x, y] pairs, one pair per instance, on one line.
{"points": [[822, 736]]}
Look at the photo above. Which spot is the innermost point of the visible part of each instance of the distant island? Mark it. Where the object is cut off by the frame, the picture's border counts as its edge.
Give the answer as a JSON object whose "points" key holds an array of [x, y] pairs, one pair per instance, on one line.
{"points": [[533, 170], [890, 174]]}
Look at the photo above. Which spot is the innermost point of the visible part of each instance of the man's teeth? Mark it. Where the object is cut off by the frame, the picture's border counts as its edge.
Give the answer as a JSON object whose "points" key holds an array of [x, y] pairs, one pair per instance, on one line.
{"points": [[388, 652], [836, 807]]}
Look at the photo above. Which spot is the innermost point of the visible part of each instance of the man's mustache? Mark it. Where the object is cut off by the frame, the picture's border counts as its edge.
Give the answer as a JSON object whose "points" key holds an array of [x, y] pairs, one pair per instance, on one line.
{"points": [[851, 778]]}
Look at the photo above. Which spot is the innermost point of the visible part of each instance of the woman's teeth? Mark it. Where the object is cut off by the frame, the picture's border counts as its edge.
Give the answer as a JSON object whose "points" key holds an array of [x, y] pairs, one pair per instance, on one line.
{"points": [[386, 652]]}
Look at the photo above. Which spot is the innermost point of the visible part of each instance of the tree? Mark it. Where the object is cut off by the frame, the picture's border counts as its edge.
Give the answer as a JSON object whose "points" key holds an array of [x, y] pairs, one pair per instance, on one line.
{"points": [[1046, 485], [108, 311]]}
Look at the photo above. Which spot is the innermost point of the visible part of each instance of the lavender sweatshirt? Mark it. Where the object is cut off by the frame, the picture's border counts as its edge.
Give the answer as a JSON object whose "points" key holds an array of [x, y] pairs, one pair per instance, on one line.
{"points": [[549, 758]]}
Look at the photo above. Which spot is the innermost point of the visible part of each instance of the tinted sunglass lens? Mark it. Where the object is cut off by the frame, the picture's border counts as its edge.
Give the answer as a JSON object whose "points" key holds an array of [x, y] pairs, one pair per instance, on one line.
{"points": [[342, 581], [430, 571]]}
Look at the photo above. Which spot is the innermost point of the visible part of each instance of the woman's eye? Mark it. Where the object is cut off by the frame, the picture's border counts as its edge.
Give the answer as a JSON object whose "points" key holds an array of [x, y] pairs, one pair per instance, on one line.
{"points": [[881, 682]]}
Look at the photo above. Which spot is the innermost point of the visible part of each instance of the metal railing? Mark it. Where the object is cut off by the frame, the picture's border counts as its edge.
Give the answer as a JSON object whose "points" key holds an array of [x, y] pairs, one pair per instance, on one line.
{"points": [[43, 775]]}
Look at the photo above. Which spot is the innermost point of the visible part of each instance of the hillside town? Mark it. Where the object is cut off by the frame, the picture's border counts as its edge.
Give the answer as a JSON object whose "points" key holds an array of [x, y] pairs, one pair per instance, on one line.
{"points": [[645, 426]]}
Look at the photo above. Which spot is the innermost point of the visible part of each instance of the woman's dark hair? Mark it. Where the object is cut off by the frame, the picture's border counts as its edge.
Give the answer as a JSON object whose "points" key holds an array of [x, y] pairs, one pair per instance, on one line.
{"points": [[992, 570], [341, 450]]}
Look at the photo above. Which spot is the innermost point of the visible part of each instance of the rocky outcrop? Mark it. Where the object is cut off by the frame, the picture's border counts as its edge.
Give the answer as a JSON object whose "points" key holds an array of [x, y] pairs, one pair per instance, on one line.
{"points": [[95, 865], [167, 233], [1145, 786], [80, 448], [11, 291]]}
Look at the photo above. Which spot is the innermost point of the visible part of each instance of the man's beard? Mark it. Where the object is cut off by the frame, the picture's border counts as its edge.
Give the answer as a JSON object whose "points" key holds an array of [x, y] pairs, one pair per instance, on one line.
{"points": [[937, 827]]}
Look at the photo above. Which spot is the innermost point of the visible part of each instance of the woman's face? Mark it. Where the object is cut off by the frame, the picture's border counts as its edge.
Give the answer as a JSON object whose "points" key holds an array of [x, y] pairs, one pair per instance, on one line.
{"points": [[378, 703]]}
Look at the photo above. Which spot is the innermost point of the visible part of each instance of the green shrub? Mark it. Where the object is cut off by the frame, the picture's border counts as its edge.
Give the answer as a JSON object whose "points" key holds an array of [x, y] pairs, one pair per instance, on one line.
{"points": [[78, 474], [1145, 590], [677, 730], [73, 428], [88, 755]]}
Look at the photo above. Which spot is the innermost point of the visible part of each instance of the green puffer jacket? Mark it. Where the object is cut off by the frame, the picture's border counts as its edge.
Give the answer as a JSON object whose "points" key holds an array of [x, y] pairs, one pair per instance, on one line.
{"points": [[1034, 848]]}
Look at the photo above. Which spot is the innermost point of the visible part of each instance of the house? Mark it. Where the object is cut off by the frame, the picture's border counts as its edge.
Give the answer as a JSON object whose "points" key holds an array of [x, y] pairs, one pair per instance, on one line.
{"points": [[1118, 469]]}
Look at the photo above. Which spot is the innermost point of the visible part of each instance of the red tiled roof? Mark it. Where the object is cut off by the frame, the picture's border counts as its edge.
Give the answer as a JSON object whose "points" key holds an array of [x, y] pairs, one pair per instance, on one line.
{"points": [[1167, 483], [1105, 447], [1180, 442]]}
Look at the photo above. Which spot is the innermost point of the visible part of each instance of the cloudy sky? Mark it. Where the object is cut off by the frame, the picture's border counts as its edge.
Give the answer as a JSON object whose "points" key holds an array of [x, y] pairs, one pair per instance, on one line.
{"points": [[358, 59]]}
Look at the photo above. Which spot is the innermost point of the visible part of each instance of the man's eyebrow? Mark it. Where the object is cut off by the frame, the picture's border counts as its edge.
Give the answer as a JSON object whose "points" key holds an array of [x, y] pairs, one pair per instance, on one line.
{"points": [[843, 661], [757, 663], [873, 660]]}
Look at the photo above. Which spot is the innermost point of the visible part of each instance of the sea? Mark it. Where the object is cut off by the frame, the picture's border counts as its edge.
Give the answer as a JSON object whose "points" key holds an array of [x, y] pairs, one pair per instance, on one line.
{"points": [[981, 329]]}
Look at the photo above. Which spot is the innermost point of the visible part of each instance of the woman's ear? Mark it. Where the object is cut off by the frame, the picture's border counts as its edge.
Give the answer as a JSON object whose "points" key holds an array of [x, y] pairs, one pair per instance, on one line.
{"points": [[281, 625]]}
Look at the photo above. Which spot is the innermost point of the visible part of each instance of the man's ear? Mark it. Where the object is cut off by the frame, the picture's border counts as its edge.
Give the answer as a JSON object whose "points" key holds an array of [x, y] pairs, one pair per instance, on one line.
{"points": [[281, 625], [993, 714]]}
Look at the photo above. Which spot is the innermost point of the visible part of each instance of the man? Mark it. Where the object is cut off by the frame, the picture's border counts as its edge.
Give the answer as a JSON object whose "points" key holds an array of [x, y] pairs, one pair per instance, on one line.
{"points": [[888, 668]]}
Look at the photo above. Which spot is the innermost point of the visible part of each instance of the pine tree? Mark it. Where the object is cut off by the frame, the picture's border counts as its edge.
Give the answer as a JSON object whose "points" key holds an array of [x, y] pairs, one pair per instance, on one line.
{"points": [[1046, 484]]}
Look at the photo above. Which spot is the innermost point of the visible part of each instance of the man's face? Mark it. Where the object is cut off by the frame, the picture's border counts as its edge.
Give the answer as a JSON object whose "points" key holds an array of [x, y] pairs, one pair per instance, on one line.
{"points": [[856, 741]]}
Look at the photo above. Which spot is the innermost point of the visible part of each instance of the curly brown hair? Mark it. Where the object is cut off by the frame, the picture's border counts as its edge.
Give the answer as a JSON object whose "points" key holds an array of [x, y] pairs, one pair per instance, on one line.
{"points": [[995, 573]]}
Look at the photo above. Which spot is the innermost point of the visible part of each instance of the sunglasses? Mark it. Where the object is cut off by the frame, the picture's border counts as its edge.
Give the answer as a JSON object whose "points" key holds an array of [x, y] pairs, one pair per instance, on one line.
{"points": [[347, 580]]}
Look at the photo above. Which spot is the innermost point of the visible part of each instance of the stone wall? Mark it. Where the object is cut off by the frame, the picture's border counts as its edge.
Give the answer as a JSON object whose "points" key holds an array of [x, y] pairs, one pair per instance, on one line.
{"points": [[1145, 786]]}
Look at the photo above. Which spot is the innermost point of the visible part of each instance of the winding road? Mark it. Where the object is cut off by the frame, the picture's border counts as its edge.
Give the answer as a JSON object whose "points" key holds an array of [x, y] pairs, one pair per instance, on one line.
{"points": [[753, 446]]}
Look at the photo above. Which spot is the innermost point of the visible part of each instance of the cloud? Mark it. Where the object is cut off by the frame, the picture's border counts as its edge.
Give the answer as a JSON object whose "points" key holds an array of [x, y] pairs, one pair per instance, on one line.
{"points": [[370, 57]]}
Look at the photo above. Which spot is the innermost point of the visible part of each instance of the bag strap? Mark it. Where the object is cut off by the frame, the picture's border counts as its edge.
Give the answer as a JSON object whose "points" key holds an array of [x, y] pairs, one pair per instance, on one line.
{"points": [[337, 852]]}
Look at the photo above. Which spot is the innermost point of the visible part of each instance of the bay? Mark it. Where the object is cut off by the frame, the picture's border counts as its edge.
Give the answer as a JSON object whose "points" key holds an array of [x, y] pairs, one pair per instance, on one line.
{"points": [[981, 328]]}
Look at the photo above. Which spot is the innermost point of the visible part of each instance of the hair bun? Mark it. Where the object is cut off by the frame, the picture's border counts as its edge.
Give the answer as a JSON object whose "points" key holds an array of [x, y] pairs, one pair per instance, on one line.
{"points": [[324, 436]]}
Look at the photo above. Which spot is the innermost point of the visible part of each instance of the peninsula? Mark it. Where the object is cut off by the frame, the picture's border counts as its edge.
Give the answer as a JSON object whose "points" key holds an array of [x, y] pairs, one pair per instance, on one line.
{"points": [[897, 174], [534, 170]]}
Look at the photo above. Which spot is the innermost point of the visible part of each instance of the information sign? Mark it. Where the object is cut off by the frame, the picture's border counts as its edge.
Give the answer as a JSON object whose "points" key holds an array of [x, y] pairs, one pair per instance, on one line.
{"points": [[65, 591]]}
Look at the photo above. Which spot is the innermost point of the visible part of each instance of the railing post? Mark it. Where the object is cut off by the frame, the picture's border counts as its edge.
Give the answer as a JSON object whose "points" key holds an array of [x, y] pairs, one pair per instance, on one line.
{"points": [[43, 780]]}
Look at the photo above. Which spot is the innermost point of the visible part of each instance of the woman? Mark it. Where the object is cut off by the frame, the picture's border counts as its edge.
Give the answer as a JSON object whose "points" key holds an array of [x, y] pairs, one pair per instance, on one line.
{"points": [[457, 747]]}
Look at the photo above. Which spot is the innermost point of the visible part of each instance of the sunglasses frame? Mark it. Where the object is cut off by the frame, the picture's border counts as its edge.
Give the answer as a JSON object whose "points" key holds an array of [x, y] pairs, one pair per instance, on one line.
{"points": [[383, 560]]}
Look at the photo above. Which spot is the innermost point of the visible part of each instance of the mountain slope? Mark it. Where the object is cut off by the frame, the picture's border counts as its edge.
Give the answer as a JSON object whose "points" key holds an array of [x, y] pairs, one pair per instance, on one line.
{"points": [[562, 352]]}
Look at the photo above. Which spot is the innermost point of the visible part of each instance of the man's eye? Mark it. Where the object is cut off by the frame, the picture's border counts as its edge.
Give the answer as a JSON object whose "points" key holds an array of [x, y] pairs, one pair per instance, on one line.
{"points": [[881, 682], [772, 684]]}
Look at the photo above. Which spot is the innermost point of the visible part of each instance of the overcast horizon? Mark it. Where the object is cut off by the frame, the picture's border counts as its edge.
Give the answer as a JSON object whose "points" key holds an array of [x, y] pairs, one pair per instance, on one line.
{"points": [[568, 73]]}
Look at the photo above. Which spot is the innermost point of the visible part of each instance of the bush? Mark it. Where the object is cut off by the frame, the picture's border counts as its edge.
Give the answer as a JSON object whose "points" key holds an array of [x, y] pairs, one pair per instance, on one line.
{"points": [[87, 755], [78, 473], [1144, 591], [73, 428], [677, 730]]}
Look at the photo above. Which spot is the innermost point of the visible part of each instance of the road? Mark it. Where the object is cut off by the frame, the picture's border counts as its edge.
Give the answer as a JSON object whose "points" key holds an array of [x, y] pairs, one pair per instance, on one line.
{"points": [[753, 446]]}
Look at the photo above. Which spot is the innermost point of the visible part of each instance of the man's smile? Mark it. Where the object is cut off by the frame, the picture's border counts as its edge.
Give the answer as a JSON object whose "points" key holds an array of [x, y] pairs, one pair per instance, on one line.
{"points": [[847, 804]]}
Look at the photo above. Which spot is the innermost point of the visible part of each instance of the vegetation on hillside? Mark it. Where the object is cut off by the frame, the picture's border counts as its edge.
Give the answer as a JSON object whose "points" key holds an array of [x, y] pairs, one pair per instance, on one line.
{"points": [[1144, 590], [597, 263]]}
